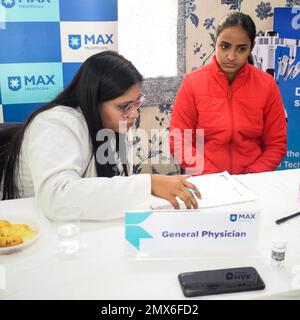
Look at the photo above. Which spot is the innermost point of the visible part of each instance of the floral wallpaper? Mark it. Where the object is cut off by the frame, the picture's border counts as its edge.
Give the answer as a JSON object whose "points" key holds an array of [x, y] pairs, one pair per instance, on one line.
{"points": [[202, 17], [150, 141]]}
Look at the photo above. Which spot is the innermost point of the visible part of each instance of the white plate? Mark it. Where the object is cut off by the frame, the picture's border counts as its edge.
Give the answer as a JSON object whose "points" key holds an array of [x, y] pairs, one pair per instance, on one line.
{"points": [[32, 223]]}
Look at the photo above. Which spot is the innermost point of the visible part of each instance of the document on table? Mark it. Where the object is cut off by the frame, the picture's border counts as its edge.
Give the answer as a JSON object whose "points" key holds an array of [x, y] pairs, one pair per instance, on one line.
{"points": [[217, 189]]}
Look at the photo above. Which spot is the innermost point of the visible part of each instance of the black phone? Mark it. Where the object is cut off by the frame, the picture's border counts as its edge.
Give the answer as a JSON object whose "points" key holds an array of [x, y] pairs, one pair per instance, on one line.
{"points": [[208, 282]]}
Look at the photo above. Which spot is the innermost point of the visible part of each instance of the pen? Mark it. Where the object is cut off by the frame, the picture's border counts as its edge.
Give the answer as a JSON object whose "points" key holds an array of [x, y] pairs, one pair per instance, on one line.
{"points": [[287, 217]]}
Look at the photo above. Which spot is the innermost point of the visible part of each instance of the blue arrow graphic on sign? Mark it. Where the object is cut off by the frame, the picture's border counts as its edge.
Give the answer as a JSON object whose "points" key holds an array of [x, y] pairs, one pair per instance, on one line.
{"points": [[133, 234], [136, 217]]}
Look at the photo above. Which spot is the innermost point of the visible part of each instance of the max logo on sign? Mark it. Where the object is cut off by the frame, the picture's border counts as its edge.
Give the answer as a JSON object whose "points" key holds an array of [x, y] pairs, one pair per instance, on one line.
{"points": [[11, 3], [233, 217], [8, 3], [15, 84], [246, 216], [75, 40]]}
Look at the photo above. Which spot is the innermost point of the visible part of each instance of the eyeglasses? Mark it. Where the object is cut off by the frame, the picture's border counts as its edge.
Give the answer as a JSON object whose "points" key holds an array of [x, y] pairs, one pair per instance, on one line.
{"points": [[126, 109]]}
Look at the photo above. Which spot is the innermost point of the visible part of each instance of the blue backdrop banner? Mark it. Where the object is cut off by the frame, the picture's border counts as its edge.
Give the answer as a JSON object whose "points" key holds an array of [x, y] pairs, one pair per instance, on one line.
{"points": [[287, 22], [287, 74], [43, 44]]}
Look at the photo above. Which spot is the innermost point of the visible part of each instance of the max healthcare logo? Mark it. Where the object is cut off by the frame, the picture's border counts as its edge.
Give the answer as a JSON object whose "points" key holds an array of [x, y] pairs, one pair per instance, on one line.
{"points": [[233, 217], [8, 3], [11, 3], [90, 41], [74, 41], [14, 83], [242, 217], [32, 82]]}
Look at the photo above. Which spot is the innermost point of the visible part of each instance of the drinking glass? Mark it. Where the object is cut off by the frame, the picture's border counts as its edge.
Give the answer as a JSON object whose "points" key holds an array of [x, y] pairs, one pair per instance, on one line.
{"points": [[67, 221]]}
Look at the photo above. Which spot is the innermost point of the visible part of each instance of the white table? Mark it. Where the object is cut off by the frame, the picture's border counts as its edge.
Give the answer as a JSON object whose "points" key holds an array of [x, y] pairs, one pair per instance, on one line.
{"points": [[101, 271]]}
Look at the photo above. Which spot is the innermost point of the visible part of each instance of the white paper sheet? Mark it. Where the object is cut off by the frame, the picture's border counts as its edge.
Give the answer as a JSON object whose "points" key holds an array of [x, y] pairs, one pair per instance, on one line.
{"points": [[217, 189]]}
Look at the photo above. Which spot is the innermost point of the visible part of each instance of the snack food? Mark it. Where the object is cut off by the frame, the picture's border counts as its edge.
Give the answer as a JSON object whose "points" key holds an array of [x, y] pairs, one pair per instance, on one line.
{"points": [[12, 234]]}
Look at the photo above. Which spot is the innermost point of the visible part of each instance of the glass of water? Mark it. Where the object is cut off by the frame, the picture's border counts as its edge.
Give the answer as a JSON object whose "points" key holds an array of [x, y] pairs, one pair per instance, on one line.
{"points": [[67, 220]]}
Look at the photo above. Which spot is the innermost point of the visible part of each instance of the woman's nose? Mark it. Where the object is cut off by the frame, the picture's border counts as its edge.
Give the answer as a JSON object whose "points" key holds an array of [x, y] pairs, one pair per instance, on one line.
{"points": [[134, 113], [231, 55]]}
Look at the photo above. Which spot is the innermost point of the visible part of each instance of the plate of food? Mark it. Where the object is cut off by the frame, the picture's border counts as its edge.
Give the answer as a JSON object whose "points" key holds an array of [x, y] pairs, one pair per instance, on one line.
{"points": [[16, 233]]}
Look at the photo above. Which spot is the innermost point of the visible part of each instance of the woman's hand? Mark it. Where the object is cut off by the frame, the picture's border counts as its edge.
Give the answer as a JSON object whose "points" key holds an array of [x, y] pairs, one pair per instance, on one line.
{"points": [[170, 187]]}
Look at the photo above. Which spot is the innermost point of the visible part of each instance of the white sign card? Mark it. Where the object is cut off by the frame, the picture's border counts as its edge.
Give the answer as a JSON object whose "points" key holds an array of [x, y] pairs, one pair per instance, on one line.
{"points": [[191, 233]]}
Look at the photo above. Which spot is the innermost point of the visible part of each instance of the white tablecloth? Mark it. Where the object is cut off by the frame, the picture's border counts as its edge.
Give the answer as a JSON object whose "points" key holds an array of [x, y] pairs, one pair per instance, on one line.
{"points": [[102, 271]]}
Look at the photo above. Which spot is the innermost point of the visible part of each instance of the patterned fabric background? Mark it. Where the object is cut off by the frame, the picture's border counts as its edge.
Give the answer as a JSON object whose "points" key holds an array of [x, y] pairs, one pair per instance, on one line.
{"points": [[202, 17]]}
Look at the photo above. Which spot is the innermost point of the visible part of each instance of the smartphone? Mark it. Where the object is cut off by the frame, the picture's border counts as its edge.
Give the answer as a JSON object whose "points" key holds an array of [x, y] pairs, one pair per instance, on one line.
{"points": [[208, 282]]}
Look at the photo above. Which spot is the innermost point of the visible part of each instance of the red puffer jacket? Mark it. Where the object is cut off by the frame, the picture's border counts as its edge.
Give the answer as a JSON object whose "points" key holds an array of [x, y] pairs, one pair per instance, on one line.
{"points": [[244, 123]]}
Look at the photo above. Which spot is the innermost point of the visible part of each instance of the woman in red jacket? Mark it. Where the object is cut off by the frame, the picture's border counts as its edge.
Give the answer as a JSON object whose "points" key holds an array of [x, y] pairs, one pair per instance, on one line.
{"points": [[238, 106]]}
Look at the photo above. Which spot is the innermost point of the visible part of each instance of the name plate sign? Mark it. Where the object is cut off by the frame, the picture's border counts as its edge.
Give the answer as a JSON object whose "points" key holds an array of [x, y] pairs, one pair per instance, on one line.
{"points": [[191, 233]]}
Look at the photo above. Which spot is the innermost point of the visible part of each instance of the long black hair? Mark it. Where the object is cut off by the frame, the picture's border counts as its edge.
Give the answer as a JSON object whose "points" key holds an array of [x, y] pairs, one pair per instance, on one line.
{"points": [[102, 77], [239, 19]]}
